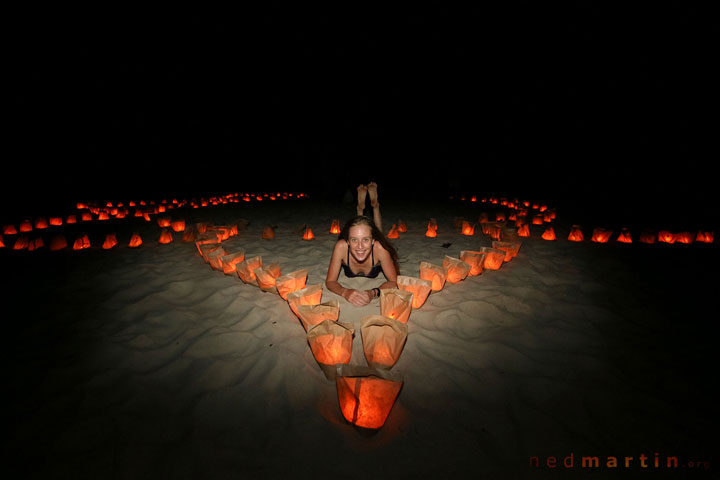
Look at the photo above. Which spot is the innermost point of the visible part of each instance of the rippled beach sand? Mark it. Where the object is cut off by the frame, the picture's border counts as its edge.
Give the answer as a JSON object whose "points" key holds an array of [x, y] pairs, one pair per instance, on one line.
{"points": [[147, 363]]}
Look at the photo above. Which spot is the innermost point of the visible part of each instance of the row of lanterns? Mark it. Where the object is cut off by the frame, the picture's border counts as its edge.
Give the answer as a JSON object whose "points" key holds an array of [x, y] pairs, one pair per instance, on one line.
{"points": [[521, 213], [366, 394], [27, 235]]}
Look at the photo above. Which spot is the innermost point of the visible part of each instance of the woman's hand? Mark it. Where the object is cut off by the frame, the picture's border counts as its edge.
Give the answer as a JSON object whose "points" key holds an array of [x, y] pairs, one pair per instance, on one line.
{"points": [[359, 298]]}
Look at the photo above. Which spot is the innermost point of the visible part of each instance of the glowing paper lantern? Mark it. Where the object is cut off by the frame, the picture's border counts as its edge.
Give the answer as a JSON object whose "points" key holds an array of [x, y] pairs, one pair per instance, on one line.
{"points": [[511, 249], [335, 227], [229, 262], [549, 233], [474, 260], [310, 295], [190, 235], [684, 237], [494, 258], [493, 229], [268, 233], [81, 242], [291, 282], [624, 236], [110, 241], [58, 242], [468, 229], [419, 288], [435, 274], [431, 229], [9, 230], [21, 242], [383, 340], [165, 237], [25, 226], [575, 234], [206, 249], [246, 269], [135, 241], [456, 269], [41, 223], [396, 303], [312, 315], [647, 237], [2, 244], [393, 233], [308, 234], [55, 221], [331, 344], [266, 277], [35, 243], [666, 236], [705, 236], [164, 222], [178, 225], [366, 395], [401, 226], [601, 235]]}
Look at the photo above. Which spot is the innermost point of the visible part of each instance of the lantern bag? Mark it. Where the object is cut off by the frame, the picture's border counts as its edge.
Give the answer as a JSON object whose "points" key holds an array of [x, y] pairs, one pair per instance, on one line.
{"points": [[366, 395], [383, 340]]}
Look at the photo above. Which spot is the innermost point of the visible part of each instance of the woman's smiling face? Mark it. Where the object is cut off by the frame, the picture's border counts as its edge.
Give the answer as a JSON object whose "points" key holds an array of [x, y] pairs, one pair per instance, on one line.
{"points": [[360, 242]]}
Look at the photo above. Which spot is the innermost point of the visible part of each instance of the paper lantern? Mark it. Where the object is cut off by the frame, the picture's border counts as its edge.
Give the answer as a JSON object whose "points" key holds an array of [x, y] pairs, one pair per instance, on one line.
{"points": [[2, 244], [164, 222], [207, 238], [189, 235], [268, 233], [511, 249], [335, 227], [9, 230], [229, 261], [524, 230], [71, 219], [431, 229], [647, 237], [366, 395], [266, 277], [538, 219], [705, 236], [434, 274], [456, 269], [214, 258], [291, 282], [58, 242], [308, 234], [549, 233], [396, 303], [246, 269], [419, 288], [81, 242], [312, 315], [35, 243], [25, 226], [493, 229], [310, 295], [206, 249], [666, 236], [601, 235], [494, 258], [624, 236], [393, 233], [41, 223], [575, 234], [178, 225], [684, 237], [110, 241], [165, 237], [331, 344], [383, 340], [474, 260], [21, 242], [401, 226], [135, 241], [468, 229]]}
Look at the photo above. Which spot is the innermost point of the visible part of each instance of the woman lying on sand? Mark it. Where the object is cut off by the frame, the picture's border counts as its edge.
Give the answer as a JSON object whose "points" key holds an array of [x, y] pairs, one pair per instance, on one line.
{"points": [[363, 251]]}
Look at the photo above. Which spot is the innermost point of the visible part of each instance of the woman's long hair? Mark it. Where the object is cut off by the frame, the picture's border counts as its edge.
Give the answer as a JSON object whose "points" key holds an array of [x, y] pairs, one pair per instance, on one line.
{"points": [[377, 235]]}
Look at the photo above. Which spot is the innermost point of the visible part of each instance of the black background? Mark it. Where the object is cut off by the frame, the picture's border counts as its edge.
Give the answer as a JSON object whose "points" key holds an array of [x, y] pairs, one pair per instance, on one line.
{"points": [[586, 105]]}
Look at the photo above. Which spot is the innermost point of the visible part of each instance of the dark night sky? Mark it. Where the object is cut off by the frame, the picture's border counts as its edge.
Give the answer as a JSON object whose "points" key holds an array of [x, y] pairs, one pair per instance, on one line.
{"points": [[587, 101]]}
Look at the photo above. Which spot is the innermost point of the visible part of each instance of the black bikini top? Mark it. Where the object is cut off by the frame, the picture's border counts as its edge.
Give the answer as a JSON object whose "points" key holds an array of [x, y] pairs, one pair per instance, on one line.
{"points": [[374, 271]]}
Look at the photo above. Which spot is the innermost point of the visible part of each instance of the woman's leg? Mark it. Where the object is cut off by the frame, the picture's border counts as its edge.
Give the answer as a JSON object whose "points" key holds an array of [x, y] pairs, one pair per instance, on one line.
{"points": [[372, 193], [362, 192]]}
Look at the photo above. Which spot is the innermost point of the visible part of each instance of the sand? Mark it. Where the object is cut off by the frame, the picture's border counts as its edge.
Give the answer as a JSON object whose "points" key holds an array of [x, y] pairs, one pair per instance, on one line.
{"points": [[147, 363]]}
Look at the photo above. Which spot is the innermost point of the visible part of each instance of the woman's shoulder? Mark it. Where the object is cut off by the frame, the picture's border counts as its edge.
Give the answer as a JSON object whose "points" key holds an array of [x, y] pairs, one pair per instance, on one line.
{"points": [[341, 246]]}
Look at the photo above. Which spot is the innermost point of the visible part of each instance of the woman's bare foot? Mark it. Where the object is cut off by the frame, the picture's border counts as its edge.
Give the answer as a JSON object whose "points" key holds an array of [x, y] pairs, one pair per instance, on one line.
{"points": [[372, 192], [362, 192]]}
